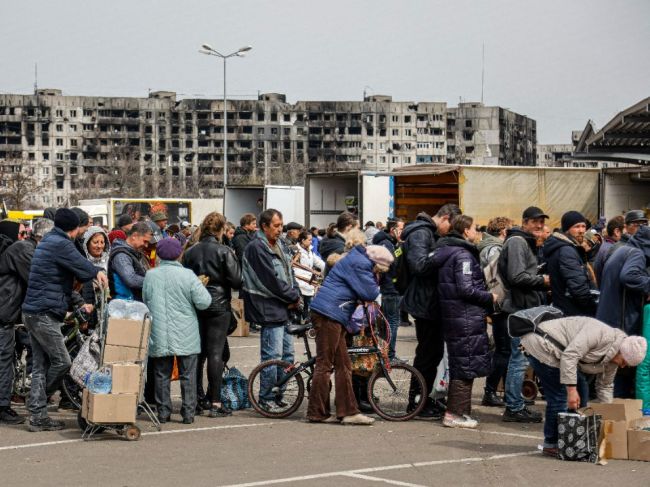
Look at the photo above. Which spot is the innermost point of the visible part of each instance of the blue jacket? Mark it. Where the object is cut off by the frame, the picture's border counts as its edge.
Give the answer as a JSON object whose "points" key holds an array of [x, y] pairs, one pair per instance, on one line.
{"points": [[315, 243], [55, 264], [626, 274], [350, 280], [268, 285], [172, 292], [464, 303]]}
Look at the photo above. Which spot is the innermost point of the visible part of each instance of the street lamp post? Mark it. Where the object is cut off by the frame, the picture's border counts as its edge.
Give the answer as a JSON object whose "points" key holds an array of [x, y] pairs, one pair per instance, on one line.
{"points": [[209, 51]]}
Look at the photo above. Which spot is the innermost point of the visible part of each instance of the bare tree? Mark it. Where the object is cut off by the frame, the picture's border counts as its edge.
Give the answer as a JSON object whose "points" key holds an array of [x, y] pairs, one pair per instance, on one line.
{"points": [[19, 183]]}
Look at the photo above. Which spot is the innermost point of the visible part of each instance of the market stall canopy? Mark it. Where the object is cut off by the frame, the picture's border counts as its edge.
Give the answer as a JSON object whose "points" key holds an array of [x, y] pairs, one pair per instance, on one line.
{"points": [[625, 138]]}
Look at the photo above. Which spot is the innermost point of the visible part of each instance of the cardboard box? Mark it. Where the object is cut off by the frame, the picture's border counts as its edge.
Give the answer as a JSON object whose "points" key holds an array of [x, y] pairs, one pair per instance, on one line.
{"points": [[243, 328], [126, 378], [638, 445], [627, 410], [615, 437], [116, 353], [84, 404], [110, 408], [128, 333]]}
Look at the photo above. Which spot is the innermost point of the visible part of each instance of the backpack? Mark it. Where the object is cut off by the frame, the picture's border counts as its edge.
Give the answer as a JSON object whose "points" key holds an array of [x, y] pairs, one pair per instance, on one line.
{"points": [[528, 320], [494, 281], [402, 275]]}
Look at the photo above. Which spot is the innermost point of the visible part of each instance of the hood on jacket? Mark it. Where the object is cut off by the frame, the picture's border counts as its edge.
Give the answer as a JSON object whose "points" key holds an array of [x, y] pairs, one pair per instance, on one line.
{"points": [[529, 237], [381, 236], [641, 240], [102, 260], [10, 229], [419, 224], [489, 241], [450, 245], [559, 240], [240, 231]]}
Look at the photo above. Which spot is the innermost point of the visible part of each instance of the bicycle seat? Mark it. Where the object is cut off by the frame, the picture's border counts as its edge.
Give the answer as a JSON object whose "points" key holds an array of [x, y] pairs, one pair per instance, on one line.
{"points": [[296, 329]]}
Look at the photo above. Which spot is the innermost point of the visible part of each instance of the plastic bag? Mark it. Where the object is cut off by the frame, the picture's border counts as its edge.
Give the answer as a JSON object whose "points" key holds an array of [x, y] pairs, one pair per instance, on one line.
{"points": [[234, 390], [129, 310], [87, 360]]}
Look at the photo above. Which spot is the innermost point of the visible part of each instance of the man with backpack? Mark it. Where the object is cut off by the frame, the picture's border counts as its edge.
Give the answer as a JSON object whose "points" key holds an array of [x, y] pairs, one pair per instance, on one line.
{"points": [[417, 278], [490, 250], [526, 287], [560, 349], [390, 297]]}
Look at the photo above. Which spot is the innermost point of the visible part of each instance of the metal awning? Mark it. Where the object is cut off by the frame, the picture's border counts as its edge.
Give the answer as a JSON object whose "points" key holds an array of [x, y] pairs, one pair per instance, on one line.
{"points": [[625, 138]]}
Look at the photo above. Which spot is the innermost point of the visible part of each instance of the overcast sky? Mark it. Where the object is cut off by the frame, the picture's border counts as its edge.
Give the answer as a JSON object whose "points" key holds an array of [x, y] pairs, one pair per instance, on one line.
{"points": [[559, 62]]}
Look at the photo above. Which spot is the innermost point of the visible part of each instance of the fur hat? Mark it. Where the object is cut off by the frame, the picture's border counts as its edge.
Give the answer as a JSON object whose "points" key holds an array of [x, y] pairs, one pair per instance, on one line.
{"points": [[380, 255], [633, 349]]}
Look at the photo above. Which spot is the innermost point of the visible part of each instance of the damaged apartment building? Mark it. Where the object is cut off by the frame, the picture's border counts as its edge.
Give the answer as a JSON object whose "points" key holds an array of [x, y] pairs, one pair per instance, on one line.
{"points": [[73, 147]]}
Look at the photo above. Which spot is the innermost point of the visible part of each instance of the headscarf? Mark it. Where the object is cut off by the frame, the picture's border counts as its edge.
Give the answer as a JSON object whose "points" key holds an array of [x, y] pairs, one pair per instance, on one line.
{"points": [[102, 260]]}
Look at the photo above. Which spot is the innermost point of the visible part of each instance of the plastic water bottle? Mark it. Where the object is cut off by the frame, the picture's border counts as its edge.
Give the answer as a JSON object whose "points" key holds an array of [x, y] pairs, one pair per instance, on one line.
{"points": [[100, 382], [117, 308], [136, 310]]}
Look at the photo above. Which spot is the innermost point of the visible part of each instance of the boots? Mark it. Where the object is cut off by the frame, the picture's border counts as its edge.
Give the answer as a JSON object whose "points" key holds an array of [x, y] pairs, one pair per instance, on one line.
{"points": [[491, 399]]}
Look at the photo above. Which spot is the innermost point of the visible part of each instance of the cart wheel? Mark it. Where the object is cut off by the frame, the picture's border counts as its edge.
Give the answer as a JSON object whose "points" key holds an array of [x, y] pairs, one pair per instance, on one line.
{"points": [[529, 390], [83, 424], [132, 433], [311, 333]]}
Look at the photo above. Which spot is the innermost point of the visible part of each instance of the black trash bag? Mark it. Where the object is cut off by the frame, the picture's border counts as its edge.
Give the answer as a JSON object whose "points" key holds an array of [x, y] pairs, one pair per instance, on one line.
{"points": [[527, 320]]}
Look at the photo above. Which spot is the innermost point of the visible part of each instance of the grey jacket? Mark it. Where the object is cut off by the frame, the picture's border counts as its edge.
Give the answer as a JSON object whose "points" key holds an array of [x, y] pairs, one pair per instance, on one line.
{"points": [[590, 346]]}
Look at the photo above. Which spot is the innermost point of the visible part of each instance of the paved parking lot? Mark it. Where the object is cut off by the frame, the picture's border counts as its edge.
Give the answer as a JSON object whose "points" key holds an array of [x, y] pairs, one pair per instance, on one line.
{"points": [[248, 450]]}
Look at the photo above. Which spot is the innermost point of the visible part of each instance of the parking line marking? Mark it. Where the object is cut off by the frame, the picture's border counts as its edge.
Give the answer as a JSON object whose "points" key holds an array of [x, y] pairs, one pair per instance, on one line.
{"points": [[379, 479], [150, 433], [356, 472]]}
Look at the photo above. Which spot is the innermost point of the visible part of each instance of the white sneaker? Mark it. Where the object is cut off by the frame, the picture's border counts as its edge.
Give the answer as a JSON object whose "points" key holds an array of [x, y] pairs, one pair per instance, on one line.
{"points": [[464, 421], [358, 419]]}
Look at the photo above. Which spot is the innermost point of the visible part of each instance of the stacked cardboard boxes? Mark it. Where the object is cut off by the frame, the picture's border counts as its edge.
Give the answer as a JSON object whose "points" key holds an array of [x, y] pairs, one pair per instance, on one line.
{"points": [[623, 440], [125, 349]]}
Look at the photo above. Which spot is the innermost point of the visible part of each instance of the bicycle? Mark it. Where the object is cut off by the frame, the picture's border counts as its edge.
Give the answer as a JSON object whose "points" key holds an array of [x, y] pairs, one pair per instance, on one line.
{"points": [[394, 391]]}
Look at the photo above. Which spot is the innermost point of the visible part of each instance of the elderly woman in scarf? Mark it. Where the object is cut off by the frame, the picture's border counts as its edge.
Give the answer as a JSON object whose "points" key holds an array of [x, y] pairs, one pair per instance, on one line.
{"points": [[96, 246]]}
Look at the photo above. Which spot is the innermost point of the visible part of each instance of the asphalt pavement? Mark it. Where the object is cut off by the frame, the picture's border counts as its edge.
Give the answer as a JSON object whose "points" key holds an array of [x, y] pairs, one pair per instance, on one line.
{"points": [[248, 450]]}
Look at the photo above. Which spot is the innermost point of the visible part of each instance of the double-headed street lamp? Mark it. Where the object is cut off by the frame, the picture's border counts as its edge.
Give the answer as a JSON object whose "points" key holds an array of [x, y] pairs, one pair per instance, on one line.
{"points": [[210, 51]]}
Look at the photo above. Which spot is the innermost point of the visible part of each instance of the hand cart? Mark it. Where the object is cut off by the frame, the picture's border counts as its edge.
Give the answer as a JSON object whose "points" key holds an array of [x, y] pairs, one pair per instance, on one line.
{"points": [[129, 431]]}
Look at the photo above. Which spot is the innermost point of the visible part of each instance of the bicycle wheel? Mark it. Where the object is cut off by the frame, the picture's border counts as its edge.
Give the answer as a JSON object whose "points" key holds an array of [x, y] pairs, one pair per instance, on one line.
{"points": [[279, 401], [395, 402]]}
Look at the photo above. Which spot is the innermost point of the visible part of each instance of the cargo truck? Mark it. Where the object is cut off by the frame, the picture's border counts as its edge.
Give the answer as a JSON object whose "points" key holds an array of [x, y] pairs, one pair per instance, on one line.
{"points": [[289, 200], [481, 191]]}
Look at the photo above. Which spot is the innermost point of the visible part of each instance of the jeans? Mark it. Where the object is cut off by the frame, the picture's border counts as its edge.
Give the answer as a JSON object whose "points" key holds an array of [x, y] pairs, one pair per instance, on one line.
{"points": [[23, 343], [501, 355], [517, 366], [390, 308], [306, 302], [6, 365], [51, 360], [275, 344], [187, 375], [331, 352], [556, 399]]}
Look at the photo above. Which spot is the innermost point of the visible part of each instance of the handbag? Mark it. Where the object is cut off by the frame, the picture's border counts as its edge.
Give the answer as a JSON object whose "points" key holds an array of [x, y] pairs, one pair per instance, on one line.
{"points": [[579, 436], [87, 360], [234, 390]]}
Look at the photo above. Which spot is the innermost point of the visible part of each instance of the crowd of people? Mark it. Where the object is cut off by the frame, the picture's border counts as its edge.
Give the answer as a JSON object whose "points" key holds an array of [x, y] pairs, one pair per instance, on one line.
{"points": [[458, 282]]}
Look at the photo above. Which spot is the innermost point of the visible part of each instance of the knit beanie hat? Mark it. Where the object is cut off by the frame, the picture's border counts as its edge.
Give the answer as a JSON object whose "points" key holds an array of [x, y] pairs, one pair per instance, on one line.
{"points": [[116, 234], [571, 218], [84, 218], [379, 255], [633, 349], [169, 249], [66, 219]]}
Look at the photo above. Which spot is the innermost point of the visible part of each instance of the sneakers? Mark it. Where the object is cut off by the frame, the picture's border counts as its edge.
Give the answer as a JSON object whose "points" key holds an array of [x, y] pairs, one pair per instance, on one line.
{"points": [[524, 416], [490, 399], [188, 420], [431, 410], [398, 361], [45, 424], [359, 418], [219, 412], [9, 416], [453, 421]]}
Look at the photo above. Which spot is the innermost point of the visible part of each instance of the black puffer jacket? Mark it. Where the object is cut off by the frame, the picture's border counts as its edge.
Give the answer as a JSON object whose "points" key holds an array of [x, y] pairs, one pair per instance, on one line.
{"points": [[518, 268], [14, 275], [419, 240], [240, 241], [332, 245], [464, 303], [219, 263], [571, 284]]}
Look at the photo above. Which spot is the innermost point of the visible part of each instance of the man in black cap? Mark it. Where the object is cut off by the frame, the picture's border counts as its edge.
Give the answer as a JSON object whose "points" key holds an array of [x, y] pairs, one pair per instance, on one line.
{"points": [[572, 281], [84, 224], [518, 267], [55, 265], [124, 223], [290, 240]]}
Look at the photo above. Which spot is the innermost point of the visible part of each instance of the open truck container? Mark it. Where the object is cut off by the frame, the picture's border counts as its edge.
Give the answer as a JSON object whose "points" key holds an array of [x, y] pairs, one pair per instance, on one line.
{"points": [[289, 200], [624, 189], [481, 191]]}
